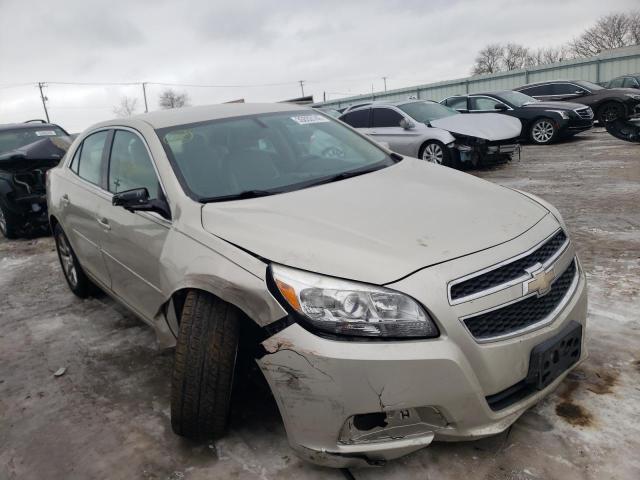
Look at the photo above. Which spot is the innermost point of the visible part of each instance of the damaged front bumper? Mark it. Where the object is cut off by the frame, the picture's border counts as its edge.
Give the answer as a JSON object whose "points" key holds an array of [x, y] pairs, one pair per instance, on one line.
{"points": [[353, 403], [475, 151]]}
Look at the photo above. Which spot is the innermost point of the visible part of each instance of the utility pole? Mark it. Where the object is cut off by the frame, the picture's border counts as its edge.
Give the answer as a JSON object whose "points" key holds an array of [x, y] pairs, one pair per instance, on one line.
{"points": [[324, 96], [384, 79], [301, 86], [144, 94], [41, 85]]}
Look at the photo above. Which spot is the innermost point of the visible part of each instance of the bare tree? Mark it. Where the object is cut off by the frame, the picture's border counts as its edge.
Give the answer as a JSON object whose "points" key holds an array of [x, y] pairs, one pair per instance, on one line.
{"points": [[169, 98], [546, 55], [127, 107], [488, 60], [514, 56], [611, 31]]}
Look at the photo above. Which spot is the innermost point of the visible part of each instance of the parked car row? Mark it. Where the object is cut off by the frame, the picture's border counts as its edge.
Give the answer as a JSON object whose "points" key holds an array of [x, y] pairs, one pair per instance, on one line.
{"points": [[547, 111]]}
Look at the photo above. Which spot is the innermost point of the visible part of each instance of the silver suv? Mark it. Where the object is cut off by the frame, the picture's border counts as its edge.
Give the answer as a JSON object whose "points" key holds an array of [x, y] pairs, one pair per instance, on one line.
{"points": [[390, 300]]}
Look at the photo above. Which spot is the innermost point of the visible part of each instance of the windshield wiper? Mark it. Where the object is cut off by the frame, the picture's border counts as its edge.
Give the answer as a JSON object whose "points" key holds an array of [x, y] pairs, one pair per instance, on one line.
{"points": [[245, 194], [347, 174]]}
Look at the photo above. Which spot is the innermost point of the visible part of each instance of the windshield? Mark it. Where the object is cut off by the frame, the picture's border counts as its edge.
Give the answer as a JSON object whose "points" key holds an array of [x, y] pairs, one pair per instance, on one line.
{"points": [[19, 137], [266, 154], [517, 99], [425, 112], [589, 85]]}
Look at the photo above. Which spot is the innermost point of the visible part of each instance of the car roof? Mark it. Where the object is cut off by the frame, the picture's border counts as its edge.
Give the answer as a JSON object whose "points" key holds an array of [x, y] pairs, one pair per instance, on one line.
{"points": [[388, 103], [550, 81], [204, 113], [26, 126]]}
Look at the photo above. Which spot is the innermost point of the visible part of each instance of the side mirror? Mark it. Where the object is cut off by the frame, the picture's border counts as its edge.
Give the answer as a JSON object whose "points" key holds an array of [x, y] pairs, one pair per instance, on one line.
{"points": [[407, 124], [579, 92], [501, 107], [137, 200]]}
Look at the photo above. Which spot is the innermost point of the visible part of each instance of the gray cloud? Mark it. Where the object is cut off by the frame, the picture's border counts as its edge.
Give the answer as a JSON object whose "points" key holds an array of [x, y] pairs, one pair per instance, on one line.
{"points": [[337, 46]]}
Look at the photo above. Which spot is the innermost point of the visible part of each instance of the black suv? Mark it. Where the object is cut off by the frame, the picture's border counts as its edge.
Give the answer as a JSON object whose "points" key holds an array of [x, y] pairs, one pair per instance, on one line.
{"points": [[607, 103], [542, 122], [27, 151]]}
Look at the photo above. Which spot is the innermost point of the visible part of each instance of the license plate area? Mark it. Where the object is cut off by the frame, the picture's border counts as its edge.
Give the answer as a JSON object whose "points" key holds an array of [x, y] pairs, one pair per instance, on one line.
{"points": [[554, 356]]}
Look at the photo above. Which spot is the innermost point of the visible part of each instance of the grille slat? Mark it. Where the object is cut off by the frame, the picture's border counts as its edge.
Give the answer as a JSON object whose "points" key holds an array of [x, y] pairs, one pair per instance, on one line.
{"points": [[510, 271], [521, 314], [585, 113]]}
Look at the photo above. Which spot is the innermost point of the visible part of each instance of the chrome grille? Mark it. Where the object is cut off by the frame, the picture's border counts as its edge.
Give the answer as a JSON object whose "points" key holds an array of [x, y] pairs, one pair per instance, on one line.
{"points": [[521, 314], [585, 113], [509, 272]]}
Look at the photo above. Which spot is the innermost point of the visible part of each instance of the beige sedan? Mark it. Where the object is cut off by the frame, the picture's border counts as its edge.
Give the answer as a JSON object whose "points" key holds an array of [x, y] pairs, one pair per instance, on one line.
{"points": [[387, 300]]}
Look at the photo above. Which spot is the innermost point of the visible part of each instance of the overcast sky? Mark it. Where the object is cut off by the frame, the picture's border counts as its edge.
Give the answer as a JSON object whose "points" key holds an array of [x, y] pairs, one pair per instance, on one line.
{"points": [[338, 46]]}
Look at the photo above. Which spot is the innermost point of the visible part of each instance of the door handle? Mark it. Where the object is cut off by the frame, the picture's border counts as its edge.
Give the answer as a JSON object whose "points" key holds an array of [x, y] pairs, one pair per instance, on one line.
{"points": [[104, 223], [65, 200]]}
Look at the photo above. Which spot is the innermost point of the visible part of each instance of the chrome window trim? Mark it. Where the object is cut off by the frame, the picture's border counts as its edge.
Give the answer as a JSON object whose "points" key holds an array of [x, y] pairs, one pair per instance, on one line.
{"points": [[511, 283], [106, 194], [522, 89], [534, 326]]}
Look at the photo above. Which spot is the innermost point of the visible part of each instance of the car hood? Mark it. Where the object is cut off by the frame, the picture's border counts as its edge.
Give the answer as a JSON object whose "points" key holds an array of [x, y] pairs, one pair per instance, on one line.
{"points": [[377, 227], [489, 126], [555, 105], [42, 153]]}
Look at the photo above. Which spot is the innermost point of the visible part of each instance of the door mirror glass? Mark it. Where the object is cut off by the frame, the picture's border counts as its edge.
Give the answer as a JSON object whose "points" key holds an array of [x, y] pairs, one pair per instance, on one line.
{"points": [[137, 200], [407, 124], [501, 107], [579, 92]]}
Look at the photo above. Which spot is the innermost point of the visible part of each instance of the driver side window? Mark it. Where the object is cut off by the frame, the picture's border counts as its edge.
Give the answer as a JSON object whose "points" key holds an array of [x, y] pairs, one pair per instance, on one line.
{"points": [[130, 165]]}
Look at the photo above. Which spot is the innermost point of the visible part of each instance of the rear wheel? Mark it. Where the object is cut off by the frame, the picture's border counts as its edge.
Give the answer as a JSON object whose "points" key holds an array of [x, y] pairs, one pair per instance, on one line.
{"points": [[609, 112], [203, 368], [7, 223], [543, 131], [78, 282], [435, 152]]}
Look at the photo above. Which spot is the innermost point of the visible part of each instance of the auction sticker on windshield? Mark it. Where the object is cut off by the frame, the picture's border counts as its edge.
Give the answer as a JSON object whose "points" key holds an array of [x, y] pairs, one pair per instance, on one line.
{"points": [[307, 119], [46, 133]]}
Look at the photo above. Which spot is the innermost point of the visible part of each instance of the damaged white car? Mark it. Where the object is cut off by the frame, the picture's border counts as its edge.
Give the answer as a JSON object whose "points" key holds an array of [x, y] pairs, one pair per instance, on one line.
{"points": [[439, 134], [381, 321]]}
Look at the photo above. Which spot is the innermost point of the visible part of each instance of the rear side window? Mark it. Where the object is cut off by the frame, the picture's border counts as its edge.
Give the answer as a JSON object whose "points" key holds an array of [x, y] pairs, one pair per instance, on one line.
{"points": [[630, 82], [75, 161], [385, 117], [539, 90], [357, 119], [90, 167], [130, 165]]}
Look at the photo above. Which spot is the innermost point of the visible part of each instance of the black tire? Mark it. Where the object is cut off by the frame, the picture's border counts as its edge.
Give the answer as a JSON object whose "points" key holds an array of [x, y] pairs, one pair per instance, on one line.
{"points": [[543, 131], [79, 283], [435, 152], [609, 112], [203, 367], [8, 223]]}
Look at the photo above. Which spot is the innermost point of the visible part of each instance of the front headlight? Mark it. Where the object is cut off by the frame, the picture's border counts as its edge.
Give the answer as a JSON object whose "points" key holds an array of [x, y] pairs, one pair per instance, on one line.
{"points": [[342, 307], [563, 113], [635, 96]]}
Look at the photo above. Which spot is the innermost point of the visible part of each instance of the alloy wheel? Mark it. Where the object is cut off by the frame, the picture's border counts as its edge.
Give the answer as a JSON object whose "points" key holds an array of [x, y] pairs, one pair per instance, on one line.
{"points": [[543, 131], [66, 259], [609, 113], [433, 153]]}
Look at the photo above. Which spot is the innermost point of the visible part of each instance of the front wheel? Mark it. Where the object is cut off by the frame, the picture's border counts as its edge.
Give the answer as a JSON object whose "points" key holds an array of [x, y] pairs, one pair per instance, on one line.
{"points": [[7, 223], [435, 152], [203, 368], [609, 112], [543, 131]]}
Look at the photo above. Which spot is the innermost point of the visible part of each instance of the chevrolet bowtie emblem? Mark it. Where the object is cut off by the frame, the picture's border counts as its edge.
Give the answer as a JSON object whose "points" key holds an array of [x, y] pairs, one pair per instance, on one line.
{"points": [[540, 282]]}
